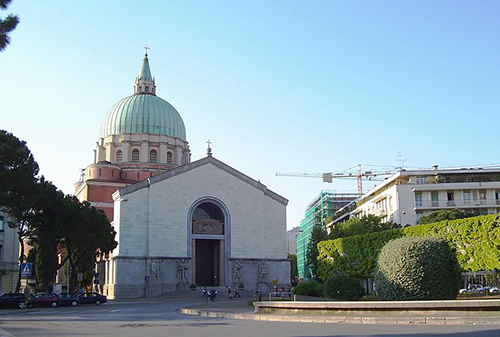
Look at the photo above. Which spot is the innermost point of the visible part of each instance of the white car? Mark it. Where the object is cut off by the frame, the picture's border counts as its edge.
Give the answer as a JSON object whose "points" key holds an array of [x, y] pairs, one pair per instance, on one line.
{"points": [[472, 288], [491, 289]]}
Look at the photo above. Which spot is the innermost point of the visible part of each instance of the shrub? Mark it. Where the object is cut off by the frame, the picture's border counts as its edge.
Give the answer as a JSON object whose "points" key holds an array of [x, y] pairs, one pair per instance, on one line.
{"points": [[309, 288], [417, 268], [476, 240], [343, 288]]}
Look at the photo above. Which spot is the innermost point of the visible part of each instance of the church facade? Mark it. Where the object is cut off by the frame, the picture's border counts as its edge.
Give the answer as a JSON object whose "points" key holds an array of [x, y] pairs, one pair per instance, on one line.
{"points": [[178, 222]]}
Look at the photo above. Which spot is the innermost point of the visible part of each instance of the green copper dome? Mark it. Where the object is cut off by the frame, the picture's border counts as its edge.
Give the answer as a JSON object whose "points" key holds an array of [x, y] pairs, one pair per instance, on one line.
{"points": [[144, 112]]}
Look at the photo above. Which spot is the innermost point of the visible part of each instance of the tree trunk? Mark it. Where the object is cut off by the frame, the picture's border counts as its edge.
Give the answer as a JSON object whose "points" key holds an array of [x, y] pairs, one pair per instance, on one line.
{"points": [[21, 259]]}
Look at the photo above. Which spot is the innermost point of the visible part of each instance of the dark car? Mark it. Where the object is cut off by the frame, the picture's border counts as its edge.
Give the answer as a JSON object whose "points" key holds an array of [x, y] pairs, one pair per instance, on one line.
{"points": [[13, 300], [46, 300], [66, 298], [92, 298]]}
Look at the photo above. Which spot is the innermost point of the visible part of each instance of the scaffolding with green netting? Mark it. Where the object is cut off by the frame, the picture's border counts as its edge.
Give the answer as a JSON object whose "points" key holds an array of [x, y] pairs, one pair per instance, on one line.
{"points": [[318, 211]]}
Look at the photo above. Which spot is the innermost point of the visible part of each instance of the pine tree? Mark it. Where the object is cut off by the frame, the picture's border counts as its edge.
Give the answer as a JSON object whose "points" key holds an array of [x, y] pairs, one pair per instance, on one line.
{"points": [[7, 25]]}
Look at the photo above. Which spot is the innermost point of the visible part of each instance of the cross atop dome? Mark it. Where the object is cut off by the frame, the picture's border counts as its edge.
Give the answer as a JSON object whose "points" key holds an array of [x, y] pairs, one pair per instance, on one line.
{"points": [[145, 83]]}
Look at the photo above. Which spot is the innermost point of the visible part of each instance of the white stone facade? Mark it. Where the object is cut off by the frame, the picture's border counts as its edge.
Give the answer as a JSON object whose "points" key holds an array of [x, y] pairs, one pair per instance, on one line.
{"points": [[158, 243]]}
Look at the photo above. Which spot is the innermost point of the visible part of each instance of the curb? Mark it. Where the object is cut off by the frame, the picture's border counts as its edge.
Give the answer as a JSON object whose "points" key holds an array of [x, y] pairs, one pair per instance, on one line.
{"points": [[346, 319]]}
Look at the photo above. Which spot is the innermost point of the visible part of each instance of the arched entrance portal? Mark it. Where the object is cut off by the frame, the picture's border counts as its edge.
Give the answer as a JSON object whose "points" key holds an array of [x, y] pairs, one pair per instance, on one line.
{"points": [[208, 237]]}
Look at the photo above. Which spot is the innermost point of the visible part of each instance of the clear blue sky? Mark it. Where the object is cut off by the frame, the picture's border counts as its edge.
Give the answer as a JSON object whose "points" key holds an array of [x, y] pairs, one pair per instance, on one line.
{"points": [[294, 86]]}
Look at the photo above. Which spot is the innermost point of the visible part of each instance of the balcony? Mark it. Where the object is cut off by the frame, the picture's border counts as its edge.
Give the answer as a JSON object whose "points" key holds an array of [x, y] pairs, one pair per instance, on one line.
{"points": [[445, 204]]}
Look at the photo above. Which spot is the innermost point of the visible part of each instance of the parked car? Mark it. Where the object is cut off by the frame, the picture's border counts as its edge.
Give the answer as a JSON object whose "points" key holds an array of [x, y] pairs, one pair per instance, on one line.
{"points": [[491, 289], [46, 300], [66, 298], [92, 298], [472, 288], [13, 300]]}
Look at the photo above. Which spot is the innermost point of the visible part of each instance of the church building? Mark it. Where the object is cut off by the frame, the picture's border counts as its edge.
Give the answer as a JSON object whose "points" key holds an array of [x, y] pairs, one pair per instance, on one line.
{"points": [[178, 222]]}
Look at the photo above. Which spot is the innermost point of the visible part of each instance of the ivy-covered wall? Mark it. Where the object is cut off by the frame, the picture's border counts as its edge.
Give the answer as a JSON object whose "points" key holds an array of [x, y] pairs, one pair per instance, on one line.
{"points": [[476, 240]]}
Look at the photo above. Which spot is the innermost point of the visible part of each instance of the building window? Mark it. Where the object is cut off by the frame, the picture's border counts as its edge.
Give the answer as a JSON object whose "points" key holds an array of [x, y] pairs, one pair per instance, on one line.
{"points": [[421, 180], [419, 214], [418, 199], [169, 157], [153, 156], [391, 206], [435, 199], [450, 199], [482, 198], [466, 197], [135, 155], [119, 155], [2, 224]]}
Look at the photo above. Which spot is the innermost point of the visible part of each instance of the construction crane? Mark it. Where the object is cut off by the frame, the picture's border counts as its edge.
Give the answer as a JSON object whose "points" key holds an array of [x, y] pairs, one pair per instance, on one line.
{"points": [[329, 176]]}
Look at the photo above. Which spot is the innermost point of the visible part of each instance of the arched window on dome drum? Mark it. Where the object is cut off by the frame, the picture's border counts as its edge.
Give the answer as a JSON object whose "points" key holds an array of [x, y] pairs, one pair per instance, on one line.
{"points": [[119, 155], [169, 157], [153, 156], [135, 155]]}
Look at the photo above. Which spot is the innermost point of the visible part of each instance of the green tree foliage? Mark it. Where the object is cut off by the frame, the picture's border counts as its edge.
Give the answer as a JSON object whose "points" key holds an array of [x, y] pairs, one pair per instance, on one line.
{"points": [[318, 234], [48, 228], [309, 288], [414, 268], [7, 25], [18, 186], [343, 288], [354, 226], [442, 215], [293, 265], [359, 226], [353, 256], [47, 219], [87, 233], [477, 242]]}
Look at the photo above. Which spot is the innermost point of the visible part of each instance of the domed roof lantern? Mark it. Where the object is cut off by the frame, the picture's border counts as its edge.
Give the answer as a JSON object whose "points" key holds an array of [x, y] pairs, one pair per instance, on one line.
{"points": [[145, 83], [144, 112]]}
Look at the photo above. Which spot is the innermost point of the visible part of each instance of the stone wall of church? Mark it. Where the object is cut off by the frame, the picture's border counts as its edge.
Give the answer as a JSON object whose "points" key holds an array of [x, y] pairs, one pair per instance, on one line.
{"points": [[151, 277], [152, 221], [147, 277]]}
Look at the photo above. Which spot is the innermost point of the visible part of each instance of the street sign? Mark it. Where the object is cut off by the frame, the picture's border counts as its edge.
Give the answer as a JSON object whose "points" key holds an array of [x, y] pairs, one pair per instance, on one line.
{"points": [[26, 269], [79, 277], [146, 278]]}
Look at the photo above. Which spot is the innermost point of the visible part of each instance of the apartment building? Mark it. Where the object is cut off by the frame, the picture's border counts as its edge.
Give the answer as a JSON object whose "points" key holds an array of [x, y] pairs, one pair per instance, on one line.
{"points": [[409, 194], [9, 256]]}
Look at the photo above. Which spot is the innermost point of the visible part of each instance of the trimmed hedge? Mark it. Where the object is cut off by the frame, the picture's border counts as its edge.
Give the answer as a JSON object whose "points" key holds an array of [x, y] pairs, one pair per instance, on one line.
{"points": [[475, 240], [416, 268], [309, 288], [343, 288]]}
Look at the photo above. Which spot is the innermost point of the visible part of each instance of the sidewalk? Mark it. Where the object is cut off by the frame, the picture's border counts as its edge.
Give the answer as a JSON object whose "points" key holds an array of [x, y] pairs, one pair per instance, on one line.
{"points": [[238, 309]]}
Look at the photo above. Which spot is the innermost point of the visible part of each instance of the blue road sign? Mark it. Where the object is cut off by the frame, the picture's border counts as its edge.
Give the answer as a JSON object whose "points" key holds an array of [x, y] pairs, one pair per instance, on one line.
{"points": [[26, 269]]}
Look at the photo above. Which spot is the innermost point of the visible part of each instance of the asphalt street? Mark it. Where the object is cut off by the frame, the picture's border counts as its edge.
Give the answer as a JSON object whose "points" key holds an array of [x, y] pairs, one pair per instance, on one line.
{"points": [[160, 317]]}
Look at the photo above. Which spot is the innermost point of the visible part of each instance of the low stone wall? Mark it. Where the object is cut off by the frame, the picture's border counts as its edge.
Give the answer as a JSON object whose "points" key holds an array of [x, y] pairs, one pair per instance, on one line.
{"points": [[369, 307]]}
